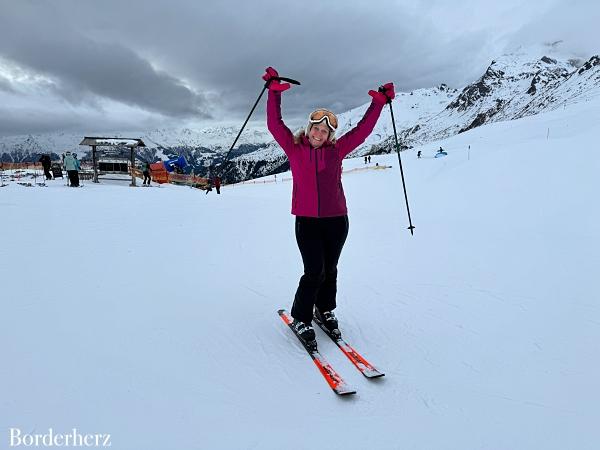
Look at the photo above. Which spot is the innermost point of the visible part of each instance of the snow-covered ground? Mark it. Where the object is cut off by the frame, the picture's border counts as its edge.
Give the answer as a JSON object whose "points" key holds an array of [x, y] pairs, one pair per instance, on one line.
{"points": [[150, 314]]}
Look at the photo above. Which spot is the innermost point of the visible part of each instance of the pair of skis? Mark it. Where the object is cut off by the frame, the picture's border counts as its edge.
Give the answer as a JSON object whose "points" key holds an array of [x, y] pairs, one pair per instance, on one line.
{"points": [[335, 381]]}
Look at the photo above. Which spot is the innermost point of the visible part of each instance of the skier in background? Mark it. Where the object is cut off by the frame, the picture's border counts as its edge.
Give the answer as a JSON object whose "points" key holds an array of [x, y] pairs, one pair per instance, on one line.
{"points": [[46, 163], [72, 167], [318, 201], [78, 165], [146, 171]]}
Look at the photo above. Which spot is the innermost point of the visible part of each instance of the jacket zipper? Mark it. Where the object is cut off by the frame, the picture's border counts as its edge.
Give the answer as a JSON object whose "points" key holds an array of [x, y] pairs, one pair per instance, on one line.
{"points": [[317, 179]]}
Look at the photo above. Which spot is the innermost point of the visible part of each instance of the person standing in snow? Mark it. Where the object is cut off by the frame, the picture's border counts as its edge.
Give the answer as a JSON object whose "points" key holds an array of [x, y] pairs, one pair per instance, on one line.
{"points": [[46, 163], [78, 165], [72, 167], [217, 183], [146, 171], [419, 154], [318, 200]]}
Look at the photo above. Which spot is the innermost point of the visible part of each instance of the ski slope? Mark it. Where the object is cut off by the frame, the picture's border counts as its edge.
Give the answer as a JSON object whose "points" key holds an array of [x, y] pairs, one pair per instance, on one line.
{"points": [[150, 314]]}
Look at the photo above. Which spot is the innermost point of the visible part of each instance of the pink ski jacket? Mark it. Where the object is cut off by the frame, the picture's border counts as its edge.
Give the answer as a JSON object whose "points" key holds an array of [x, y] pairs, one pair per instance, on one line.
{"points": [[317, 172]]}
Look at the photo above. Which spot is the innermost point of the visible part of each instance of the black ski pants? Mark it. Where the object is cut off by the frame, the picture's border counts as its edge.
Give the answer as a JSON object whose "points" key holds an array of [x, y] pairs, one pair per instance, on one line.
{"points": [[73, 178], [320, 241]]}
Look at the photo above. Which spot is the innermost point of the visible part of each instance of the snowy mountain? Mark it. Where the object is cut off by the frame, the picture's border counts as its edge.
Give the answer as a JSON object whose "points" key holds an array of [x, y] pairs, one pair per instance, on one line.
{"points": [[518, 84], [515, 85]]}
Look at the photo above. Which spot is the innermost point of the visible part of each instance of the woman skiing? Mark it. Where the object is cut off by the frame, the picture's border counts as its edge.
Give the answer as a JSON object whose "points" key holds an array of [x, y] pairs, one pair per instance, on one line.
{"points": [[318, 200]]}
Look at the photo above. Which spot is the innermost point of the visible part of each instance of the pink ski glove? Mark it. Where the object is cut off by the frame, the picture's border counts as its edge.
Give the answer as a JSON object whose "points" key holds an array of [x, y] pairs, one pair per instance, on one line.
{"points": [[385, 94], [272, 83]]}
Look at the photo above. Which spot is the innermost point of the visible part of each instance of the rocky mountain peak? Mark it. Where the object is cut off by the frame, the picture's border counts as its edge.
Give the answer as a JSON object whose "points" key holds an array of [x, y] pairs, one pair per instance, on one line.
{"points": [[548, 60], [592, 62], [478, 90]]}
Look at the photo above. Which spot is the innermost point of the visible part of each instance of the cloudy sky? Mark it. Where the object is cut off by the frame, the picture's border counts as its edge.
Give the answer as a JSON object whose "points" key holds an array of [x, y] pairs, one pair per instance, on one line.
{"points": [[83, 65]]}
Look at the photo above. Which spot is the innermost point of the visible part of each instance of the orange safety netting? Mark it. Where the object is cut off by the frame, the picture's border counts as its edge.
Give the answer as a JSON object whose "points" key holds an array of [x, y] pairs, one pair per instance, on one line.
{"points": [[160, 176], [159, 173]]}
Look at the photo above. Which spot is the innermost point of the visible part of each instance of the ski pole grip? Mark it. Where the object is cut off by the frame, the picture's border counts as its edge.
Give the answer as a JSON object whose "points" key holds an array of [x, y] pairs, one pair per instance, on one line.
{"points": [[383, 91], [287, 80]]}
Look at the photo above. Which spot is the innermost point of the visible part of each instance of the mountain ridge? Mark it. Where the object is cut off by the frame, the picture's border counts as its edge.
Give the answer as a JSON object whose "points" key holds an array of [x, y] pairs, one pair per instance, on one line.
{"points": [[517, 84]]}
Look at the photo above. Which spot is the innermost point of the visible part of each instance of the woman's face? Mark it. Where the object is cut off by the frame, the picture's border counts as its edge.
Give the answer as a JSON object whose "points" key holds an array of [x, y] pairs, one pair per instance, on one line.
{"points": [[318, 134]]}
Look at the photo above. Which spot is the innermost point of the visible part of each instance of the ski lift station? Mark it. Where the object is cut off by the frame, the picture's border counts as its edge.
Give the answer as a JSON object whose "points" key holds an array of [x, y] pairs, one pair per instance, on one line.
{"points": [[110, 157]]}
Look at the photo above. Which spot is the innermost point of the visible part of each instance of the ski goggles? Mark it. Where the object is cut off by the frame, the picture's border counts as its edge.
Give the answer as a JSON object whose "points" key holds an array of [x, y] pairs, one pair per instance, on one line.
{"points": [[321, 115]]}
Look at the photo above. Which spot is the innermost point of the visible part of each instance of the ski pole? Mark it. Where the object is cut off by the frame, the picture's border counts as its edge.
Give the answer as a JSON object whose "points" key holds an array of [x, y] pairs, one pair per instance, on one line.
{"points": [[411, 227], [288, 80]]}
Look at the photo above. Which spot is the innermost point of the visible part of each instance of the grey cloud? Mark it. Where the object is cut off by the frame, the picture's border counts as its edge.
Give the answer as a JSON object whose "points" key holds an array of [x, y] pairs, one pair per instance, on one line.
{"points": [[574, 23], [6, 85], [15, 121], [33, 119], [187, 59], [78, 65]]}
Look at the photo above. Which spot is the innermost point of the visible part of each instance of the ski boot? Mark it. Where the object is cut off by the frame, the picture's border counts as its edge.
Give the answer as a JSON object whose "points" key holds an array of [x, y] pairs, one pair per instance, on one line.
{"points": [[306, 333], [328, 319]]}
